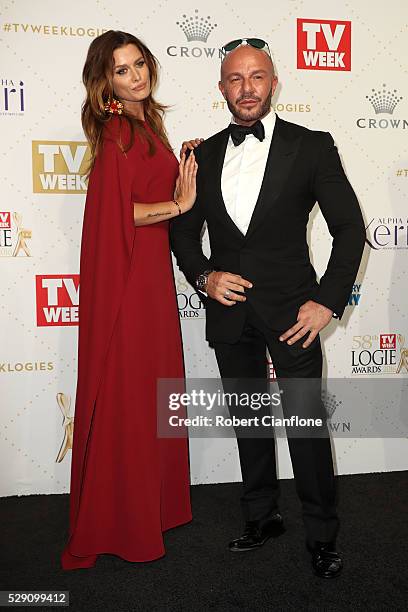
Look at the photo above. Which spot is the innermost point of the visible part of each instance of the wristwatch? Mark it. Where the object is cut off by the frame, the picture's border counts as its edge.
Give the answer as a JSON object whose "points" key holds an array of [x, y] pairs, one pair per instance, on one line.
{"points": [[201, 280]]}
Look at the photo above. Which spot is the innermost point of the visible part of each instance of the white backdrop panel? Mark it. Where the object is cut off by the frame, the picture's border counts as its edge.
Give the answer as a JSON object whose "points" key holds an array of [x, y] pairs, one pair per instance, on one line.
{"points": [[43, 47]]}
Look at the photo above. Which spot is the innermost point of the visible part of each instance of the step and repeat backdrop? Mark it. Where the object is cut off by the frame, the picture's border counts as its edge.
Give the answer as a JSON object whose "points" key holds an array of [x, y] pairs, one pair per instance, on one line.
{"points": [[341, 67]]}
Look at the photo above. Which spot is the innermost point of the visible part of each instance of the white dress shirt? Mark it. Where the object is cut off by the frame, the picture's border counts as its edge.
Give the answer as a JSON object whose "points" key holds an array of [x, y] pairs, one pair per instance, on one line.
{"points": [[243, 172]]}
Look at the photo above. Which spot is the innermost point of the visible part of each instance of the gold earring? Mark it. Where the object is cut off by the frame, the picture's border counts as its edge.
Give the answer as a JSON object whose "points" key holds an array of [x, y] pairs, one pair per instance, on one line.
{"points": [[113, 107]]}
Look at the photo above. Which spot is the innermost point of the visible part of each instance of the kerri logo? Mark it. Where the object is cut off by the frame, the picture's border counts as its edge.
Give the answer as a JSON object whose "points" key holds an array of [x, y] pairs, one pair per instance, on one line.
{"points": [[388, 233], [12, 97], [323, 44]]}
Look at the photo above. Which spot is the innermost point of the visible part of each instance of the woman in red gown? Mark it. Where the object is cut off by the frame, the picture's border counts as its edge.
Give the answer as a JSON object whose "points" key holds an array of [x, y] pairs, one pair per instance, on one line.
{"points": [[128, 485]]}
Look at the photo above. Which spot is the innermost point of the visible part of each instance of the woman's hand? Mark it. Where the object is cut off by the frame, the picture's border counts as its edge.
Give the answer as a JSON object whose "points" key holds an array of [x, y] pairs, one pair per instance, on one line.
{"points": [[185, 192], [190, 144]]}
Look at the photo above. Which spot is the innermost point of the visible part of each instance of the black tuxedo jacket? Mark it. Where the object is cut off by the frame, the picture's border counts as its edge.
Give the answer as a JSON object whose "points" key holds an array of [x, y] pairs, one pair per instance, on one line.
{"points": [[303, 167]]}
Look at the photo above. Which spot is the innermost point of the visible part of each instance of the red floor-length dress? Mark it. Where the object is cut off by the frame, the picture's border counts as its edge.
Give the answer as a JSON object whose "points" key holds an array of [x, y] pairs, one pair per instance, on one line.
{"points": [[127, 484]]}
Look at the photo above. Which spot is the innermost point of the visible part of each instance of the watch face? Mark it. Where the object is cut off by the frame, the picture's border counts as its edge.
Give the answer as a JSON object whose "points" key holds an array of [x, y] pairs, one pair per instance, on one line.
{"points": [[202, 280]]}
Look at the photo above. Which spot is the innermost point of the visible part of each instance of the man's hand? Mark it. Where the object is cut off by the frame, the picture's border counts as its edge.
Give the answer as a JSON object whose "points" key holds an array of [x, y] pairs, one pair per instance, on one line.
{"points": [[312, 318], [190, 144], [223, 287]]}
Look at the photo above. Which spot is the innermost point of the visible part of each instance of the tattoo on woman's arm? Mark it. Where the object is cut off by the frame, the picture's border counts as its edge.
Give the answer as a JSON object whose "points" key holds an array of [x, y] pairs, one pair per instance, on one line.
{"points": [[159, 214]]}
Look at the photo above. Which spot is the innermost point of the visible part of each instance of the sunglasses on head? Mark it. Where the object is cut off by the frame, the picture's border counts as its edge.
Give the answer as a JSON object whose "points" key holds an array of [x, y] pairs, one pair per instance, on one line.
{"points": [[257, 43]]}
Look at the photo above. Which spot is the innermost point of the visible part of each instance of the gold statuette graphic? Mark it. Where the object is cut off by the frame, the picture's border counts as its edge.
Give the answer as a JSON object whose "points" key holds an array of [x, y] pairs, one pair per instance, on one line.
{"points": [[403, 362], [64, 402], [22, 236]]}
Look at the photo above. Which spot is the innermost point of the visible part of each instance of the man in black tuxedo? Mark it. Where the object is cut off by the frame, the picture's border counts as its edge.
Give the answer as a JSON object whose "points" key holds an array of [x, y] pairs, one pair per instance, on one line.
{"points": [[257, 183]]}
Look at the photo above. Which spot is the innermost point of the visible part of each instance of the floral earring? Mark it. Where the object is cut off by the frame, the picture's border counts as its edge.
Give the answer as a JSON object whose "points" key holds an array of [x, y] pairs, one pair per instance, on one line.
{"points": [[113, 107]]}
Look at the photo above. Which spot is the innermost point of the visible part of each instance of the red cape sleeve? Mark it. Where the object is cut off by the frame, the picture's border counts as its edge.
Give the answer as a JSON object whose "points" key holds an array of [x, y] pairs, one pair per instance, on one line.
{"points": [[106, 253]]}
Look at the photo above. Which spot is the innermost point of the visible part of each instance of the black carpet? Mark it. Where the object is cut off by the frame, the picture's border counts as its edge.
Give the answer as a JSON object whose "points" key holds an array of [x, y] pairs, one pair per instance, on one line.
{"points": [[199, 573]]}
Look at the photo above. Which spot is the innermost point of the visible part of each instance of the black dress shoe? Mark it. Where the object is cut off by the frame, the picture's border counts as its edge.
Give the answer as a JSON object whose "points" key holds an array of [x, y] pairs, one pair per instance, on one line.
{"points": [[255, 536], [326, 562]]}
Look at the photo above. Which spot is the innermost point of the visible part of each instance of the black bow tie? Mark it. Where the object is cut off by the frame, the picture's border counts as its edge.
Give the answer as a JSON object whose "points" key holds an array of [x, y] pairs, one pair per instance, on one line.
{"points": [[238, 133]]}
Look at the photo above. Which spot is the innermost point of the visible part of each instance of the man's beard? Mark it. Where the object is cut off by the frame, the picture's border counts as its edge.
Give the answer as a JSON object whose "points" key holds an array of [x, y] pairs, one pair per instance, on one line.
{"points": [[255, 114]]}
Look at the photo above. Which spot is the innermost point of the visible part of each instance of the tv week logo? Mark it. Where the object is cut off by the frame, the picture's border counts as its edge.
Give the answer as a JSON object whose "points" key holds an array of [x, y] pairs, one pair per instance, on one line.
{"points": [[57, 299], [60, 167], [323, 45], [5, 220], [388, 341]]}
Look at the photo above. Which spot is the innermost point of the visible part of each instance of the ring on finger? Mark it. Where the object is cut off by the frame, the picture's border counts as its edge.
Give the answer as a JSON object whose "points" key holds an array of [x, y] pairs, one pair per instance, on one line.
{"points": [[227, 294]]}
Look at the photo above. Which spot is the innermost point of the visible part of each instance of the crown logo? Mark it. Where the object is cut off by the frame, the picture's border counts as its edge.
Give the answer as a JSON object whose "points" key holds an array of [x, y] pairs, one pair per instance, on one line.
{"points": [[384, 100], [196, 28], [330, 402]]}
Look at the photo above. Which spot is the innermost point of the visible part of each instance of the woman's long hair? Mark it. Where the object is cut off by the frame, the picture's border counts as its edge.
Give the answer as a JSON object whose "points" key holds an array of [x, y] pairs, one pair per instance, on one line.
{"points": [[97, 77]]}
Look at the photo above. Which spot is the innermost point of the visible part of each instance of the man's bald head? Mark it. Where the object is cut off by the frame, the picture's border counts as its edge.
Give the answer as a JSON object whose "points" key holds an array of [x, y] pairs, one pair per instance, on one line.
{"points": [[248, 82], [246, 53]]}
